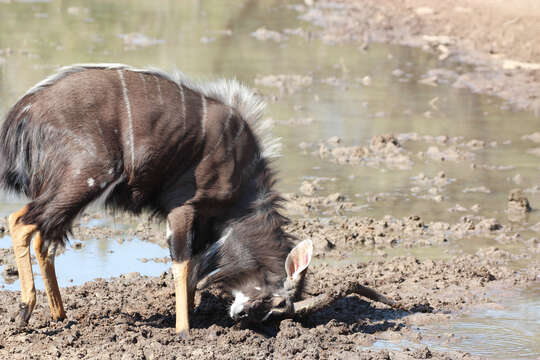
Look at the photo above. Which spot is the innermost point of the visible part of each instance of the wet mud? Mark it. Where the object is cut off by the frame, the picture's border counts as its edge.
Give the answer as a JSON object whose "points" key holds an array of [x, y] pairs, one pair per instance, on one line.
{"points": [[133, 316]]}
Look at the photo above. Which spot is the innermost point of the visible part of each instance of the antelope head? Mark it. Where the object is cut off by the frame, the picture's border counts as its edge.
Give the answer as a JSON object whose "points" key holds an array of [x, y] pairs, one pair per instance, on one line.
{"points": [[258, 299]]}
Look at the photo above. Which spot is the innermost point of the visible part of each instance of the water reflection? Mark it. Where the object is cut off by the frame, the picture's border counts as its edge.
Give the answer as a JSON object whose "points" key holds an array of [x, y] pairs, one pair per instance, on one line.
{"points": [[103, 258]]}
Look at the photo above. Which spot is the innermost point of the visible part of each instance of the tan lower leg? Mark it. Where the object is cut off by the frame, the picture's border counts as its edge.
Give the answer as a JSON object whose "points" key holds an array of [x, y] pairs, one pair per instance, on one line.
{"points": [[46, 265], [180, 274], [21, 236]]}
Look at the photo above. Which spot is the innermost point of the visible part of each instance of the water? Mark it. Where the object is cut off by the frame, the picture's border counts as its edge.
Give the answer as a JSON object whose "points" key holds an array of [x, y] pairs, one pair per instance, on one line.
{"points": [[213, 38], [508, 330]]}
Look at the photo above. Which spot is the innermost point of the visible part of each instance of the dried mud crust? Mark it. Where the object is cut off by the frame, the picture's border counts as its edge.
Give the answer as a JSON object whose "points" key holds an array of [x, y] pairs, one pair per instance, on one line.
{"points": [[133, 316]]}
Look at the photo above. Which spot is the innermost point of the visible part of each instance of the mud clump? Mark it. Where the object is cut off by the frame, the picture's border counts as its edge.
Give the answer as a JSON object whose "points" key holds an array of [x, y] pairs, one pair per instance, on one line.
{"points": [[265, 34], [517, 202], [382, 150], [308, 188], [389, 150], [518, 206], [331, 204]]}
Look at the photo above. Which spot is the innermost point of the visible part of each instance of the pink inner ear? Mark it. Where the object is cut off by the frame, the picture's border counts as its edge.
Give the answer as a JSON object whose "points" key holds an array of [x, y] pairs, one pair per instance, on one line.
{"points": [[299, 258]]}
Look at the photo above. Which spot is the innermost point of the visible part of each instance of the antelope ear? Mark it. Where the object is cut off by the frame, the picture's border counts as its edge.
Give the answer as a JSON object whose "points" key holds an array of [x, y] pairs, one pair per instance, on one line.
{"points": [[298, 259]]}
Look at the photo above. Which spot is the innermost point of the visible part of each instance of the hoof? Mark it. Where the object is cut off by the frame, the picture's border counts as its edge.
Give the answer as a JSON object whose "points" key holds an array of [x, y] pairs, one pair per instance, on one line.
{"points": [[59, 319], [183, 335]]}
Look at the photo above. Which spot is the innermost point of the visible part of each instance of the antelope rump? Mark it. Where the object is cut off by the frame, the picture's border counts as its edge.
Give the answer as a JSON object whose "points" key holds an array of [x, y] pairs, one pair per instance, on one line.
{"points": [[196, 155]]}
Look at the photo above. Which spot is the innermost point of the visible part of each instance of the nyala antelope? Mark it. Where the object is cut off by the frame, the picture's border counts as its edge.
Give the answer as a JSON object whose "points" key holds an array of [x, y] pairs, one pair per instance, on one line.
{"points": [[194, 154]]}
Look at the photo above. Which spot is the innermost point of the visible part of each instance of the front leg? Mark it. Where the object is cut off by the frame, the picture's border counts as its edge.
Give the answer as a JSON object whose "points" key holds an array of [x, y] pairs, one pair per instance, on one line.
{"points": [[180, 237]]}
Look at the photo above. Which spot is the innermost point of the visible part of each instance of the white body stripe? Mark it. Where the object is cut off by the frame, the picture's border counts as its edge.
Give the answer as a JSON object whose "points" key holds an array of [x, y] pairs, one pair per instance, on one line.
{"points": [[182, 98], [221, 136], [130, 118], [204, 115], [141, 75], [160, 97]]}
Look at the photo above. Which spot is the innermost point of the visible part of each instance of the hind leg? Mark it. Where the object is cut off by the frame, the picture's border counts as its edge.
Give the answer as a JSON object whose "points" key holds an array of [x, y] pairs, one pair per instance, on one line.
{"points": [[50, 217], [46, 264], [21, 235]]}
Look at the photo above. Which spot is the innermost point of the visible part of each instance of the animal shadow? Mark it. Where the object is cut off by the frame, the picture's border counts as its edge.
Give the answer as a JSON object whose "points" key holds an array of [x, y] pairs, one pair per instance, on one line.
{"points": [[353, 313]]}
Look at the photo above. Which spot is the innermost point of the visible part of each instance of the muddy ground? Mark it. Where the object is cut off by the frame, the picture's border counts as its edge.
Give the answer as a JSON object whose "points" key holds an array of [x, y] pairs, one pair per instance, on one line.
{"points": [[133, 316]]}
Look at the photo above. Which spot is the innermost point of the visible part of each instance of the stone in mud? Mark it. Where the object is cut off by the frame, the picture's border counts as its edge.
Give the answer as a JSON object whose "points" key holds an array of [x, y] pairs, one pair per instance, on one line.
{"points": [[517, 202], [383, 142], [308, 188], [335, 198], [488, 225]]}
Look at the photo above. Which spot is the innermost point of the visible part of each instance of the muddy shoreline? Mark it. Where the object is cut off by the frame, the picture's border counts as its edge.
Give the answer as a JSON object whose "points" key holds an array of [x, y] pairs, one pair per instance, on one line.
{"points": [[501, 64]]}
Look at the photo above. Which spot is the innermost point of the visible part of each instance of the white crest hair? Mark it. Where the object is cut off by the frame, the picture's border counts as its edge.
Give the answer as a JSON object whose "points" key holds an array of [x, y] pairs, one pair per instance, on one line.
{"points": [[230, 92]]}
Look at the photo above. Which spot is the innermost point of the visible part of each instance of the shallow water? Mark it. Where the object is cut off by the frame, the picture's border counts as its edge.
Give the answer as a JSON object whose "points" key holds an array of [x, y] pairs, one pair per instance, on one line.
{"points": [[209, 39], [506, 330]]}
